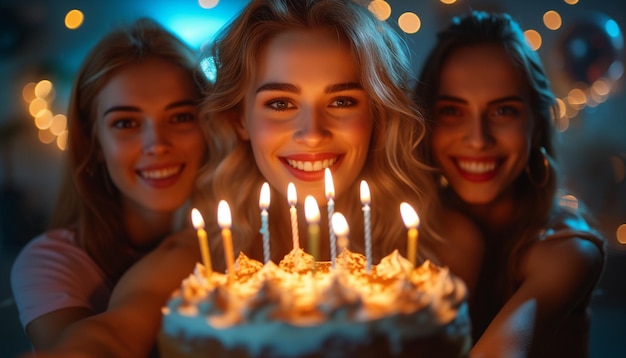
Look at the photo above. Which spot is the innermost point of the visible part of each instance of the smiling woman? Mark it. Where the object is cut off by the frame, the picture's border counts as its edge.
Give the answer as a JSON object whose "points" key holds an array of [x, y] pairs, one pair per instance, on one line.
{"points": [[135, 147], [301, 87], [492, 137], [306, 111]]}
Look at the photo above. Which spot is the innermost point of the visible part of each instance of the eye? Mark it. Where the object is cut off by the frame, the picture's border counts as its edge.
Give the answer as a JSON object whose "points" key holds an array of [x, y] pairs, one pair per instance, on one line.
{"points": [[448, 111], [280, 104], [448, 114], [124, 123], [184, 117], [343, 102], [505, 112]]}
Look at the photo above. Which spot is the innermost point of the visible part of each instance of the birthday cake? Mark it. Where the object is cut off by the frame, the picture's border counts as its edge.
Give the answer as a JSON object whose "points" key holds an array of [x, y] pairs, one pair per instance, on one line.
{"points": [[302, 308]]}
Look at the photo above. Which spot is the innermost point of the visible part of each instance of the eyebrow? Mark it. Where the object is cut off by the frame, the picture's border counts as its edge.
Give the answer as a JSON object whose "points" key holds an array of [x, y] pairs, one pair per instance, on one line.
{"points": [[183, 103], [288, 87], [495, 101]]}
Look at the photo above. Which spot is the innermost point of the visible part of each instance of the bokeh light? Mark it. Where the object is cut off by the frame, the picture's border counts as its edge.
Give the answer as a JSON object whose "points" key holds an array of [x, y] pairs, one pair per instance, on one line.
{"points": [[43, 119], [39, 97], [62, 140], [58, 124], [533, 38], [576, 98], [621, 234], [45, 136], [409, 22], [74, 19], [380, 8], [552, 20], [28, 92], [37, 105], [43, 89]]}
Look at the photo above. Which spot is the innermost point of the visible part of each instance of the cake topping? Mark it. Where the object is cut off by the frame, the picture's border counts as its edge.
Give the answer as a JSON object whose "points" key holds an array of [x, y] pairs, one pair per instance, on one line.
{"points": [[293, 292]]}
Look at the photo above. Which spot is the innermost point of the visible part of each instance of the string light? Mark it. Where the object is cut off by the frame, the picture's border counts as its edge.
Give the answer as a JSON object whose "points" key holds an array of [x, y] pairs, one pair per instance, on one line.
{"points": [[52, 128]]}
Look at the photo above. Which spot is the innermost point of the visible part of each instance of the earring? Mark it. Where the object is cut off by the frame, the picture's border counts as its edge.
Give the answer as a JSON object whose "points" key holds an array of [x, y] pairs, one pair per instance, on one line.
{"points": [[545, 176], [443, 182]]}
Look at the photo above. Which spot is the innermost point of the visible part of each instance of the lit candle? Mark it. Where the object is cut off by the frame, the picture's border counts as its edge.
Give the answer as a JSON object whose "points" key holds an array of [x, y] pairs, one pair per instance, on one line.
{"points": [[340, 226], [365, 201], [330, 196], [264, 204], [411, 221], [198, 224], [292, 198], [224, 220], [312, 214]]}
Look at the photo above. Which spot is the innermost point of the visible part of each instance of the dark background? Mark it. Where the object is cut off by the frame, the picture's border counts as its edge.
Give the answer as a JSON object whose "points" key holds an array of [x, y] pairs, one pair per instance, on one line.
{"points": [[35, 45]]}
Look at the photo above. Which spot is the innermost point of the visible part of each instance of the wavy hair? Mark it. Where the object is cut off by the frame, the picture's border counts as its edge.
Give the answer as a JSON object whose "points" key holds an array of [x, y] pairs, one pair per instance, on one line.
{"points": [[394, 168], [88, 200]]}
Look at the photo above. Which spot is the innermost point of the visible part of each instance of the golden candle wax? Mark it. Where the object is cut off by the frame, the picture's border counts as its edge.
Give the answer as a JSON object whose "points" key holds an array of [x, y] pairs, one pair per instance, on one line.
{"points": [[198, 224], [224, 220], [411, 221]]}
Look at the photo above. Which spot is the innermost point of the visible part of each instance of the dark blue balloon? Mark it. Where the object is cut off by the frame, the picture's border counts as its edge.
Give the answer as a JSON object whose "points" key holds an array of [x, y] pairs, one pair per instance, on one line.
{"points": [[592, 48]]}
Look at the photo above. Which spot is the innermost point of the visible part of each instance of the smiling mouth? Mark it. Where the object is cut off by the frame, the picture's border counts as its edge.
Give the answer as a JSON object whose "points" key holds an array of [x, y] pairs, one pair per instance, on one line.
{"points": [[311, 166], [162, 173], [477, 167]]}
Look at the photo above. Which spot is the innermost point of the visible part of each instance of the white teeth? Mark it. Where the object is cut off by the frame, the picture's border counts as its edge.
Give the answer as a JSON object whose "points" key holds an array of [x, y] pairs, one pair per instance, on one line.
{"points": [[477, 167], [161, 173], [308, 166]]}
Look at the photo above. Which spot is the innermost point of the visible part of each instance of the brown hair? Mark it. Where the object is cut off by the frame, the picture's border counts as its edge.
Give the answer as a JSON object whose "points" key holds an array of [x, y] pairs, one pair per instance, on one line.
{"points": [[87, 199]]}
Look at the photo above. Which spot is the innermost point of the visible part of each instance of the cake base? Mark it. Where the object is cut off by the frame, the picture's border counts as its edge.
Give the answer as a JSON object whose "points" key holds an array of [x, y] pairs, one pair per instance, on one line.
{"points": [[288, 311], [454, 342]]}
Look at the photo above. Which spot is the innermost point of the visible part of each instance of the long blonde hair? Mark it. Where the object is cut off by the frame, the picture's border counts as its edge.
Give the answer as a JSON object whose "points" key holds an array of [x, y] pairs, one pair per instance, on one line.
{"points": [[87, 199], [393, 169]]}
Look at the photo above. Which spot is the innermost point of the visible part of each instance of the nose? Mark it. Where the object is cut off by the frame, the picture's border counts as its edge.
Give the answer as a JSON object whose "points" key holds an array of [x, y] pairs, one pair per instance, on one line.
{"points": [[478, 133], [155, 139], [312, 128]]}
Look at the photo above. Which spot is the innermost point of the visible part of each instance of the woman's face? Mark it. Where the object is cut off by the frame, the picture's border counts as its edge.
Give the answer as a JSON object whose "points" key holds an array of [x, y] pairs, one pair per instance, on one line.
{"points": [[149, 135], [305, 111], [483, 124]]}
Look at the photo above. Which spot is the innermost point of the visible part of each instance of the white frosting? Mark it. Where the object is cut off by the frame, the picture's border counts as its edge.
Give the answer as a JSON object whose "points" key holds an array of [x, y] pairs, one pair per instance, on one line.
{"points": [[292, 309]]}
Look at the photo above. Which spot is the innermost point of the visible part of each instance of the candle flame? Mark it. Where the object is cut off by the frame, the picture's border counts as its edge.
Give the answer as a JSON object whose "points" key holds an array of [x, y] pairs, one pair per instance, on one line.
{"points": [[264, 199], [196, 219], [365, 193], [330, 187], [311, 210], [223, 215], [340, 225], [292, 197], [409, 216]]}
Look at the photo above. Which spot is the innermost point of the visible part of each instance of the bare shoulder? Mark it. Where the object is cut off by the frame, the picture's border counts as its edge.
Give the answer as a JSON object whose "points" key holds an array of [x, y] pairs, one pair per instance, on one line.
{"points": [[573, 253], [569, 265]]}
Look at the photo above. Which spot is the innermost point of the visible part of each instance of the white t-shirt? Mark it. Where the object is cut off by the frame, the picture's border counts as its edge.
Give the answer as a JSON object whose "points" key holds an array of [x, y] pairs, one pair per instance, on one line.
{"points": [[52, 273]]}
